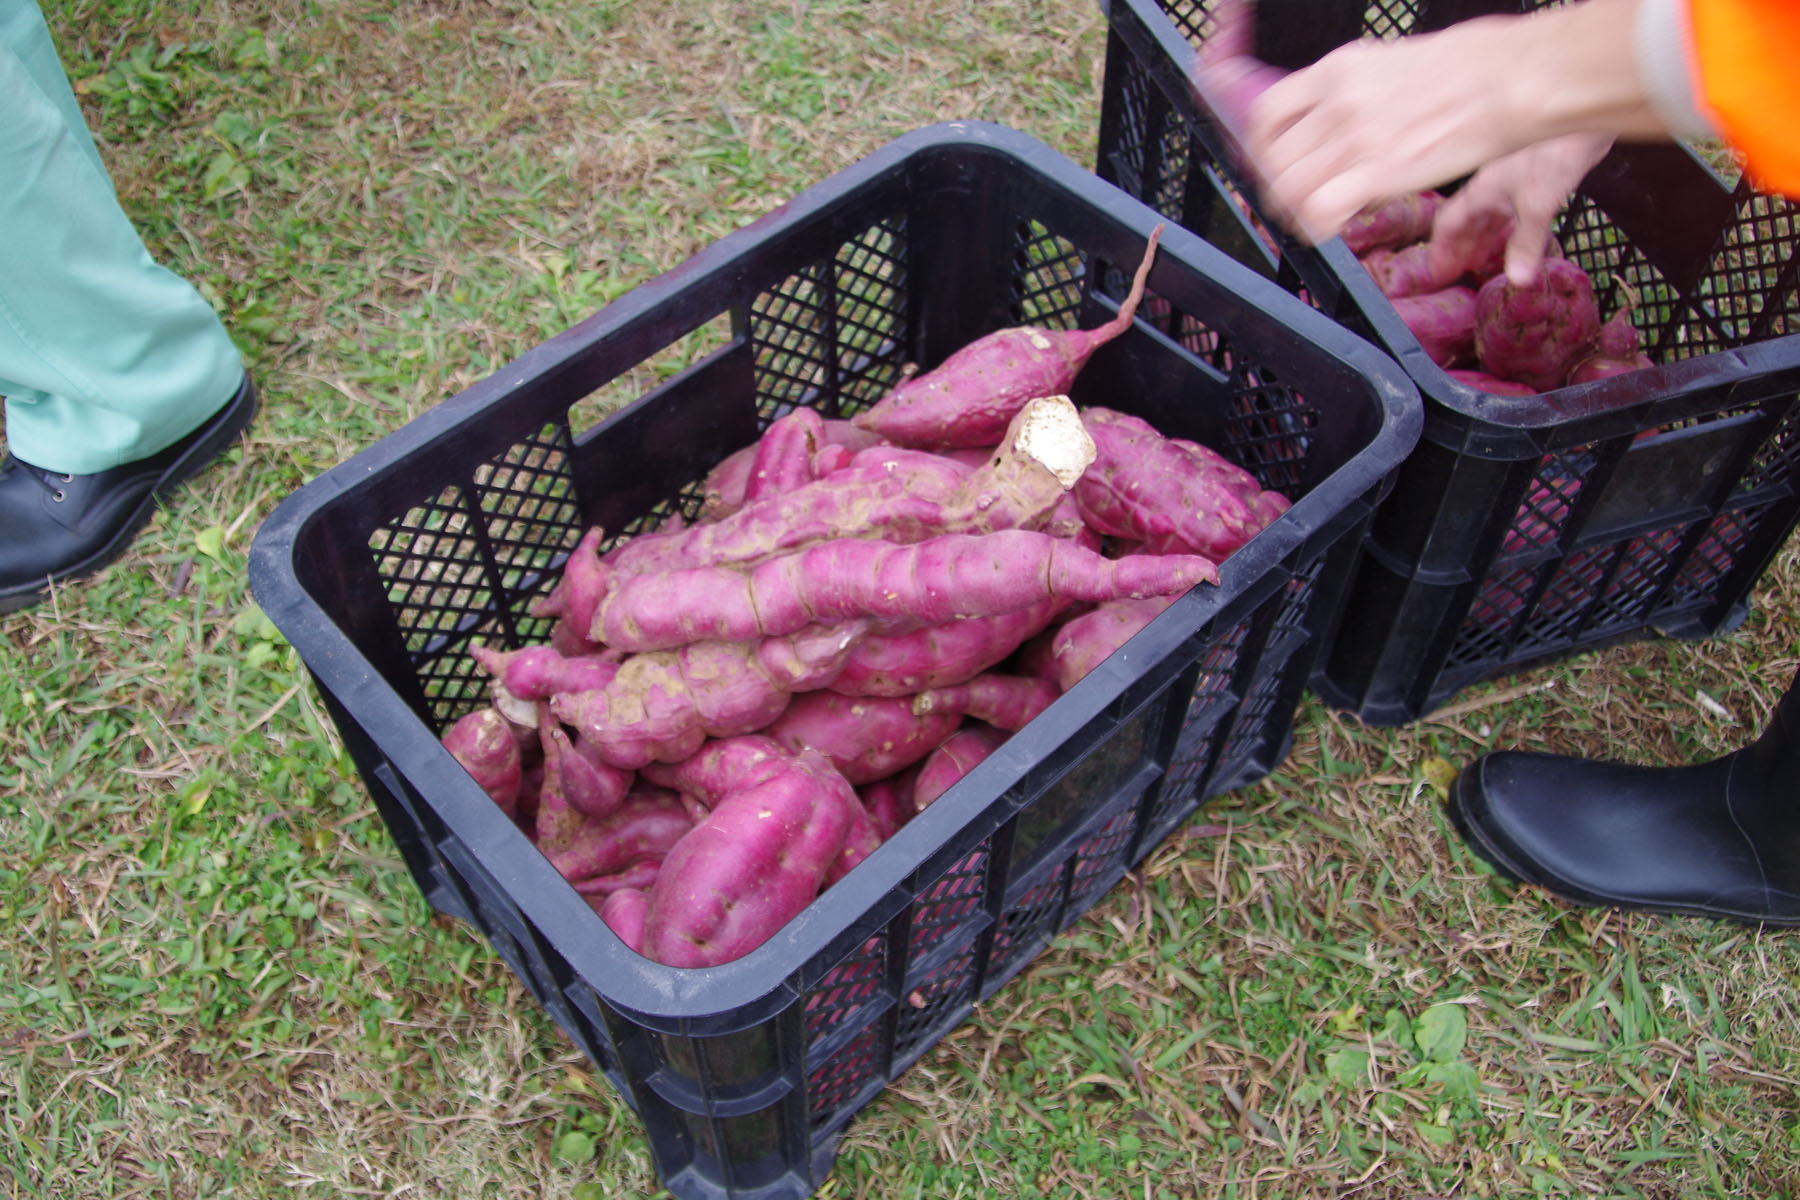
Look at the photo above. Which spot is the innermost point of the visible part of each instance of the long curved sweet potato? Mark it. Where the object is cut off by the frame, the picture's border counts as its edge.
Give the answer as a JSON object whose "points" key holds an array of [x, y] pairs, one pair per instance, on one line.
{"points": [[899, 587], [969, 398]]}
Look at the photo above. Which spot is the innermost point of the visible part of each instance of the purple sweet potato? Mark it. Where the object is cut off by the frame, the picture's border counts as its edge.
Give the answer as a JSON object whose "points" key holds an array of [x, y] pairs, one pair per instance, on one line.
{"points": [[971, 397], [623, 911], [904, 664], [1406, 271], [727, 484], [888, 801], [865, 737], [785, 454], [720, 767], [897, 586], [955, 757], [1082, 643], [662, 705], [1005, 701], [637, 876], [1481, 381], [576, 594], [893, 493], [1397, 222], [750, 867], [533, 673], [1170, 495], [1617, 349], [1536, 333], [1443, 321], [592, 785], [484, 744], [601, 854]]}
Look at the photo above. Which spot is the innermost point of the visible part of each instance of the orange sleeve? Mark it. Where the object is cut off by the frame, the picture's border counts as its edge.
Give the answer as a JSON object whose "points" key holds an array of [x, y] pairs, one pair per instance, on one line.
{"points": [[1747, 53]]}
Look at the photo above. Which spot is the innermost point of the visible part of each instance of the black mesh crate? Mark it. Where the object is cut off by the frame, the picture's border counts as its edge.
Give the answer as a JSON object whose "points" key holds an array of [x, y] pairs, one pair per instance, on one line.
{"points": [[385, 569], [1519, 531]]}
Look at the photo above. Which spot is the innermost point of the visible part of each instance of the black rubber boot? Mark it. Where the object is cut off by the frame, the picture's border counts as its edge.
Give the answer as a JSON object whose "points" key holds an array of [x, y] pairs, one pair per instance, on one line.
{"points": [[1719, 839]]}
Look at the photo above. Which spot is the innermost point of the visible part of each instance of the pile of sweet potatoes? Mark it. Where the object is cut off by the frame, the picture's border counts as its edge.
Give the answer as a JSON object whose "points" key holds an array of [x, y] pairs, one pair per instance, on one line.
{"points": [[1489, 333], [730, 715]]}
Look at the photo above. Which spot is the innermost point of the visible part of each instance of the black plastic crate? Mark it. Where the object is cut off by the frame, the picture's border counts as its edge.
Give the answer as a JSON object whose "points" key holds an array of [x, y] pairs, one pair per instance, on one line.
{"points": [[1521, 530], [384, 570]]}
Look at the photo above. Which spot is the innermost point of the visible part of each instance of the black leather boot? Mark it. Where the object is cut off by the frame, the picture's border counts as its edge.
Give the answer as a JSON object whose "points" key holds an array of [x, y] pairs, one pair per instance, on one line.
{"points": [[1718, 839], [55, 527]]}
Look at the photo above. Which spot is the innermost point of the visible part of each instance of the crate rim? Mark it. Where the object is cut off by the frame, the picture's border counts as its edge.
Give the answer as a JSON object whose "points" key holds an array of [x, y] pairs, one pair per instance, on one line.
{"points": [[651, 991]]}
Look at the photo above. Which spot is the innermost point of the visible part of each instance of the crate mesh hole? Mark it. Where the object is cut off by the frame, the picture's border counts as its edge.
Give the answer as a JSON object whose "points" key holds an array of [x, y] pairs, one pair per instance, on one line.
{"points": [[1777, 459], [841, 1081], [1024, 926], [1487, 630], [928, 1000], [528, 499], [431, 564], [1100, 856], [1714, 556], [1753, 267], [954, 898], [1047, 275], [844, 991]]}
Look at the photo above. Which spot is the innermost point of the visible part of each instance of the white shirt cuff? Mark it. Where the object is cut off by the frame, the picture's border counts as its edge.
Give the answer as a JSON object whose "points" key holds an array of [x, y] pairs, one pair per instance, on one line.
{"points": [[1662, 45]]}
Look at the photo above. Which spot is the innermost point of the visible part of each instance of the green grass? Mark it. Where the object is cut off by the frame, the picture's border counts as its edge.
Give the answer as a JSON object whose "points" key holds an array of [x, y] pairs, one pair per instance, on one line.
{"points": [[218, 978]]}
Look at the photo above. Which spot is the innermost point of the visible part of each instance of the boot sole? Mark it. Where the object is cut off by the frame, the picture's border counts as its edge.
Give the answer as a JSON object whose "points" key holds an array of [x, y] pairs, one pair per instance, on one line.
{"points": [[1490, 850], [226, 424]]}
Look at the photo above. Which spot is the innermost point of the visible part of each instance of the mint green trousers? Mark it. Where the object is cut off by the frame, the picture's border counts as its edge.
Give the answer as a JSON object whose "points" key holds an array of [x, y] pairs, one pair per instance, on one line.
{"points": [[105, 356]]}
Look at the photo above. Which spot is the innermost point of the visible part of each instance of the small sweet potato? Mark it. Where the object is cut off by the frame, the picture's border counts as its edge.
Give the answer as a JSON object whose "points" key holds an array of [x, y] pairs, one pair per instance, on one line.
{"points": [[955, 757], [1407, 271], [1082, 643], [484, 744], [866, 738], [1007, 702], [1443, 321], [623, 911], [1396, 222]]}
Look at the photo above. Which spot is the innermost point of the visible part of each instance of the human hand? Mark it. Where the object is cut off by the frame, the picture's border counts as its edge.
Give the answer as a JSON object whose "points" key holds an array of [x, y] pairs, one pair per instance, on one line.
{"points": [[1506, 208], [1376, 119]]}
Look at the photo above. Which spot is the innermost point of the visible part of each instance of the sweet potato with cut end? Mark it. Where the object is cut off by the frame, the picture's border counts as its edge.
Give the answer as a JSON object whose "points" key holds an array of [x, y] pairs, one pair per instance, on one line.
{"points": [[904, 664], [662, 705], [623, 911], [955, 757], [1167, 494], [865, 737], [1083, 643], [1396, 222], [1004, 701], [894, 493], [896, 586], [1536, 333], [971, 397], [750, 867], [1443, 321], [484, 744]]}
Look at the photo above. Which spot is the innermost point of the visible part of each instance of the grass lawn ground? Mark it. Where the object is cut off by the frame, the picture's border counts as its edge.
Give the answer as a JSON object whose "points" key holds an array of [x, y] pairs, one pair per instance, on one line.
{"points": [[216, 979]]}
